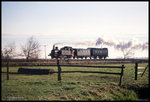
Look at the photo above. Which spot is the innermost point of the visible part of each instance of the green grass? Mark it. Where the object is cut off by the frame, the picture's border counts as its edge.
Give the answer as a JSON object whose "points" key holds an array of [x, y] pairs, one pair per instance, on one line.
{"points": [[74, 86]]}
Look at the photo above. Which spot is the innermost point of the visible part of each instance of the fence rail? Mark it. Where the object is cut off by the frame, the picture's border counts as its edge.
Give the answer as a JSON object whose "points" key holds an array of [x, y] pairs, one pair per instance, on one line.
{"points": [[88, 72], [59, 70], [91, 66]]}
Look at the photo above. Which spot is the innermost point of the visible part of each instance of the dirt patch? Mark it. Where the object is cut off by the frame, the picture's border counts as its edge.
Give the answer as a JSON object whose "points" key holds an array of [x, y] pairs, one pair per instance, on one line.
{"points": [[94, 93], [110, 78], [102, 89]]}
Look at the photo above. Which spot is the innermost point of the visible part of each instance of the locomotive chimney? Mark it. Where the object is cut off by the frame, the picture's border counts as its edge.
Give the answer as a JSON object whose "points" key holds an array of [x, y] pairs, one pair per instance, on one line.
{"points": [[53, 47]]}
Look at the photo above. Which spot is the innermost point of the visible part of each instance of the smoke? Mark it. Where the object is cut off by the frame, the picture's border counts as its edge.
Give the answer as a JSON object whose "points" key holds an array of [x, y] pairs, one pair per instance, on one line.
{"points": [[143, 46], [102, 41], [122, 45]]}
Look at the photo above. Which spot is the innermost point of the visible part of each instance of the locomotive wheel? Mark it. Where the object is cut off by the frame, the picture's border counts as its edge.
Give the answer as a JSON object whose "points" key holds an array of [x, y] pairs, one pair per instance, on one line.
{"points": [[100, 57], [52, 57]]}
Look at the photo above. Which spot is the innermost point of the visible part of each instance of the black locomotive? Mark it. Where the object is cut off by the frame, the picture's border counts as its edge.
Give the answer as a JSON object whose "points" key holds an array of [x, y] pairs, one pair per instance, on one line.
{"points": [[69, 52]]}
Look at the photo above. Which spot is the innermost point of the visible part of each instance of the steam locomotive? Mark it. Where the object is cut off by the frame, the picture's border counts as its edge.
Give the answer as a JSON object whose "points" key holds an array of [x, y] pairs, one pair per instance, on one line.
{"points": [[69, 52]]}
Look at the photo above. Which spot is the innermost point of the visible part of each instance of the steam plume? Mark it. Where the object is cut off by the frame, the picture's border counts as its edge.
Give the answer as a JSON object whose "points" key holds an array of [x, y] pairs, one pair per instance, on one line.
{"points": [[132, 44]]}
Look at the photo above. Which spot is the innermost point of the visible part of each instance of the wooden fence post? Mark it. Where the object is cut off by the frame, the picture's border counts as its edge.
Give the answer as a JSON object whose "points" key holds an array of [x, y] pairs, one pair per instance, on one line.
{"points": [[59, 70], [7, 69], [136, 70], [121, 74]]}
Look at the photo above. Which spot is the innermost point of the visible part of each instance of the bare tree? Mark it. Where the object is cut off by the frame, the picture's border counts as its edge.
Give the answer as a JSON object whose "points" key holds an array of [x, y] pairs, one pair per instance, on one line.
{"points": [[9, 51], [127, 53], [31, 50]]}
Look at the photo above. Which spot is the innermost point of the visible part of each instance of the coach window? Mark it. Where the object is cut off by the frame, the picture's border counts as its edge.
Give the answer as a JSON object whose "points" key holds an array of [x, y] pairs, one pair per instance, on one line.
{"points": [[96, 51]]}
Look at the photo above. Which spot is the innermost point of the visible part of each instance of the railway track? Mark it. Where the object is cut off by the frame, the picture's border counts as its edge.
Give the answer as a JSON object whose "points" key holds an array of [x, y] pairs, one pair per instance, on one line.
{"points": [[53, 62]]}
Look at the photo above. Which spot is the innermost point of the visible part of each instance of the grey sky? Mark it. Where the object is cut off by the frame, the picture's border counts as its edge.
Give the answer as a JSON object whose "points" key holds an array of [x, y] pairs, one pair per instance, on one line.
{"points": [[52, 22]]}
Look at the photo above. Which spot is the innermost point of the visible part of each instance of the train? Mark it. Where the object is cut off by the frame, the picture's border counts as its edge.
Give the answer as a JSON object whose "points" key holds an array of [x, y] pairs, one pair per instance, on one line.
{"points": [[76, 53]]}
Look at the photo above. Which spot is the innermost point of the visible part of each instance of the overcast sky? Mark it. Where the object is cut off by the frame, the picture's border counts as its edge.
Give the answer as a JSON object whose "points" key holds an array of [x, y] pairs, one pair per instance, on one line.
{"points": [[53, 22]]}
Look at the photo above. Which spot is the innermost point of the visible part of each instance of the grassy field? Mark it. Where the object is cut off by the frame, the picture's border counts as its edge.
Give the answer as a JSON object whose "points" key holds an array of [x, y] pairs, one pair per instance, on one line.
{"points": [[75, 86]]}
